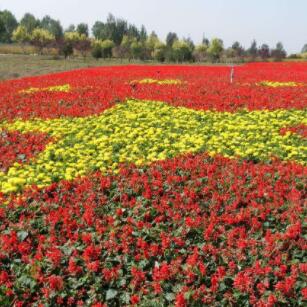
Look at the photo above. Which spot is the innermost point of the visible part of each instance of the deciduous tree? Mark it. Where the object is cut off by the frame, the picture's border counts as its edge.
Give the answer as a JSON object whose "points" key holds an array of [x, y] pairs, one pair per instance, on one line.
{"points": [[8, 24]]}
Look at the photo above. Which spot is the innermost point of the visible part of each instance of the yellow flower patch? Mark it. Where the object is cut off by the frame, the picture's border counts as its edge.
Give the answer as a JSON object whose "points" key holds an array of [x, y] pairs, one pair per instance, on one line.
{"points": [[279, 84], [142, 132], [58, 88], [159, 82]]}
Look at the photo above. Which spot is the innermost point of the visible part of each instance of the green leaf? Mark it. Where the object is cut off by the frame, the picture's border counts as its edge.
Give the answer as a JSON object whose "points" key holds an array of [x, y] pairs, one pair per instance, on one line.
{"points": [[170, 296], [111, 293], [22, 235]]}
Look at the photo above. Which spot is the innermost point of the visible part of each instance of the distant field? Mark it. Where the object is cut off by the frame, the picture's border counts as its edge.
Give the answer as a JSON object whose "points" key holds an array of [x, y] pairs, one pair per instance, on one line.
{"points": [[14, 66]]}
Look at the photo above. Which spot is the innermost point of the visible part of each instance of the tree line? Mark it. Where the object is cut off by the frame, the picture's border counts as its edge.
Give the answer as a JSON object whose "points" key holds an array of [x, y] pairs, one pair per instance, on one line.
{"points": [[116, 38]]}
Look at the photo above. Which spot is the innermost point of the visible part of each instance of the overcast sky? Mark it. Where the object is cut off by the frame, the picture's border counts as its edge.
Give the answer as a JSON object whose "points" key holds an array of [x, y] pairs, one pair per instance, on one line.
{"points": [[268, 21]]}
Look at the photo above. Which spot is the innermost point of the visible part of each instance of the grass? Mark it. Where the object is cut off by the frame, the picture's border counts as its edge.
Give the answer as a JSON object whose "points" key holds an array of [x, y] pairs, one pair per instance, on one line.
{"points": [[14, 66]]}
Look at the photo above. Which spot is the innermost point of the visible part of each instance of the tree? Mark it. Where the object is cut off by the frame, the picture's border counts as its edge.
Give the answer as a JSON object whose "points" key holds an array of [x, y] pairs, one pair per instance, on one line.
{"points": [[215, 49], [71, 28], [200, 52], [133, 32], [238, 49], [99, 30], [106, 48], [253, 50], [264, 52], [279, 52], [143, 34], [70, 41], [190, 43], [117, 28], [65, 48], [114, 29], [159, 52], [53, 26], [8, 24], [41, 38], [79, 42], [82, 29], [136, 49], [20, 35], [170, 39], [205, 41], [150, 44], [2, 29], [304, 49], [182, 51], [29, 22], [125, 48], [96, 49]]}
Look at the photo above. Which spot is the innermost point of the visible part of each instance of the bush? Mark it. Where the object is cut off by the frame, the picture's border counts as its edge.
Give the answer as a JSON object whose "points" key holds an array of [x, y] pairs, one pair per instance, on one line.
{"points": [[97, 51]]}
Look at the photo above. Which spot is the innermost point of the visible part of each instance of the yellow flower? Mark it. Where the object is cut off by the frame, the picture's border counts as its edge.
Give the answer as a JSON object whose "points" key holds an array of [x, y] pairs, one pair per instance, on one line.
{"points": [[57, 88], [159, 82], [279, 84], [121, 135]]}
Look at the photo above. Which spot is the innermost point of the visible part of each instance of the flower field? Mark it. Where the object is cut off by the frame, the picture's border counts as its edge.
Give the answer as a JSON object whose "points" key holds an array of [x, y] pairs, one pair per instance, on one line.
{"points": [[154, 186]]}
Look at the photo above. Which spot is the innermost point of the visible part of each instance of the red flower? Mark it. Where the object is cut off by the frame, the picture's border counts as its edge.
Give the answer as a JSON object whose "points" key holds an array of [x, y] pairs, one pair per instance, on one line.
{"points": [[55, 255], [294, 231], [242, 282], [304, 293], [180, 300], [4, 277], [134, 299], [56, 282]]}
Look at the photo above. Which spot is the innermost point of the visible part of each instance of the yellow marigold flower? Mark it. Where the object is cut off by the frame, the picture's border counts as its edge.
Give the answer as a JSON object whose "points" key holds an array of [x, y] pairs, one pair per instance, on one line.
{"points": [[279, 84], [57, 88], [121, 135], [159, 82]]}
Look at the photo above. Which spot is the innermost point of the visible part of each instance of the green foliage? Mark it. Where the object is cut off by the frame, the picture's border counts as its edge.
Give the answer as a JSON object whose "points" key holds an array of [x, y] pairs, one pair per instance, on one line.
{"points": [[66, 49], [125, 51], [159, 53], [136, 49], [107, 46], [304, 55], [181, 51], [238, 49], [120, 39], [151, 42], [29, 22], [200, 52], [215, 49], [41, 38], [82, 29], [8, 24], [279, 52], [72, 37], [96, 50], [143, 34], [53, 26], [171, 38], [264, 52], [253, 50], [20, 35], [114, 29]]}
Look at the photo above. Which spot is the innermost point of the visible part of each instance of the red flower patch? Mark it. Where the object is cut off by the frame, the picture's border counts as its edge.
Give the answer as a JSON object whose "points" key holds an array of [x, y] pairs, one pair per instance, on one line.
{"points": [[299, 129], [18, 147]]}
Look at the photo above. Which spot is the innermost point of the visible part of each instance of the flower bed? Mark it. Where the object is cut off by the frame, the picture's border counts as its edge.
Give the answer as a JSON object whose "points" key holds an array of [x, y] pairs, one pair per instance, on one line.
{"points": [[124, 192]]}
